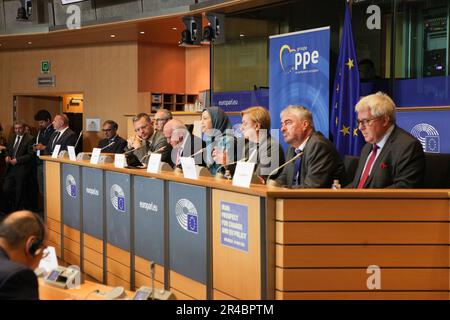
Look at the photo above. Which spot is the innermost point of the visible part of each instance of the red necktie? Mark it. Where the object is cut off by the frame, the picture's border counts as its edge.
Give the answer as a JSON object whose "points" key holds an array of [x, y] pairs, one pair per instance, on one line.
{"points": [[369, 164]]}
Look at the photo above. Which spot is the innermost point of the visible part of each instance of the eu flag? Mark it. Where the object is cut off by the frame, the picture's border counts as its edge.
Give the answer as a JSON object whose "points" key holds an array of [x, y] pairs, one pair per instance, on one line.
{"points": [[347, 139]]}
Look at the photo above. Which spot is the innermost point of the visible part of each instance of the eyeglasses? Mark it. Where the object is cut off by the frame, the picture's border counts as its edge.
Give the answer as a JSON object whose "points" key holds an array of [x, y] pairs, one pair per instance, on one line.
{"points": [[106, 130], [366, 122]]}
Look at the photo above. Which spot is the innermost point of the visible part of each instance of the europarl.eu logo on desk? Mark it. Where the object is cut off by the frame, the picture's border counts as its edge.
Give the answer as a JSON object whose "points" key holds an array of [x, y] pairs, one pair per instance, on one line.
{"points": [[117, 197], [71, 186], [187, 216]]}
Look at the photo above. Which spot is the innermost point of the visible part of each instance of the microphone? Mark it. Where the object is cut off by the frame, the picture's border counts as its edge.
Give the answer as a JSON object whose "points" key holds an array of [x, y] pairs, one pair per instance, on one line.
{"points": [[198, 152], [148, 154], [133, 149], [160, 149], [109, 145], [273, 183], [227, 174], [78, 140]]}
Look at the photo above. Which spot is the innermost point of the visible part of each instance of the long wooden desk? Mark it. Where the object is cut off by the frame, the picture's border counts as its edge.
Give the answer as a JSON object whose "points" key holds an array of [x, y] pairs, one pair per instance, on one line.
{"points": [[256, 243]]}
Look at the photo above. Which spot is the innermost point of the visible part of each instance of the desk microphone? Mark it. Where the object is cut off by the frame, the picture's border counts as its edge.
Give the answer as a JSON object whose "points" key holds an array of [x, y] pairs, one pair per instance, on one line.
{"points": [[133, 149], [227, 174], [78, 140], [109, 145], [198, 152], [273, 183]]}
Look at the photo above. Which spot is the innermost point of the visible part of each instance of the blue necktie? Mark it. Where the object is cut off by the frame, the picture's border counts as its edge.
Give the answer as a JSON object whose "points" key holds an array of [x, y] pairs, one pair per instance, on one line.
{"points": [[298, 165]]}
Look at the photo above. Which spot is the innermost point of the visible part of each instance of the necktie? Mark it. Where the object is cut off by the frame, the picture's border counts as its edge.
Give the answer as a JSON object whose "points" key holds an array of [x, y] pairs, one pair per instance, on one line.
{"points": [[298, 165], [369, 165], [16, 145], [179, 152]]}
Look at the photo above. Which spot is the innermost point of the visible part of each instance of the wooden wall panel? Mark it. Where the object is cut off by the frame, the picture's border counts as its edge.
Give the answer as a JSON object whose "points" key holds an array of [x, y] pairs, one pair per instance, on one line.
{"points": [[197, 69], [53, 198]]}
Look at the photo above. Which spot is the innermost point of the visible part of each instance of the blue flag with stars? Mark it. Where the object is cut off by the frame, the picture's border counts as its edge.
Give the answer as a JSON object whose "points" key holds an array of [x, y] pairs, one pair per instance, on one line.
{"points": [[346, 137]]}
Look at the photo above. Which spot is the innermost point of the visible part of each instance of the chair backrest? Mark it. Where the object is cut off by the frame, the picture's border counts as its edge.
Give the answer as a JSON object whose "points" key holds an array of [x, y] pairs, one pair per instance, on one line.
{"points": [[437, 171], [350, 164]]}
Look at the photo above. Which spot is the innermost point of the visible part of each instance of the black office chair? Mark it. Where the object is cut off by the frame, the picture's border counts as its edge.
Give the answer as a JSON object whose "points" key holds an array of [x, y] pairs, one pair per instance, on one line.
{"points": [[350, 164], [437, 171]]}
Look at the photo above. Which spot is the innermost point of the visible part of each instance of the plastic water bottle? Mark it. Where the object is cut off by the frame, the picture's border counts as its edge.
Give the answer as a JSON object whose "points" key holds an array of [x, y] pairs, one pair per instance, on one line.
{"points": [[336, 184]]}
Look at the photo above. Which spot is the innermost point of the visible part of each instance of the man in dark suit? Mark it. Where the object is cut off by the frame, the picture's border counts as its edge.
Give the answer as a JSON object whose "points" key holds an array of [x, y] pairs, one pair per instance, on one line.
{"points": [[391, 158], [63, 135], [319, 163], [22, 237], [19, 165], [44, 120], [112, 143], [183, 143]]}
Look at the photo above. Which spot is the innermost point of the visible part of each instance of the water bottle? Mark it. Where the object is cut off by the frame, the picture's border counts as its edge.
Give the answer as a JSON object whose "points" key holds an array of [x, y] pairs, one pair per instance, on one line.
{"points": [[336, 184]]}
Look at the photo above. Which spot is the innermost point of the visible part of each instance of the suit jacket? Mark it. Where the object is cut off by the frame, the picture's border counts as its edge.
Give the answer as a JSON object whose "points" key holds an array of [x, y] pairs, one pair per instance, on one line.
{"points": [[118, 147], [401, 163], [320, 165], [269, 155], [17, 282], [24, 155], [193, 144], [155, 143], [44, 138], [68, 138]]}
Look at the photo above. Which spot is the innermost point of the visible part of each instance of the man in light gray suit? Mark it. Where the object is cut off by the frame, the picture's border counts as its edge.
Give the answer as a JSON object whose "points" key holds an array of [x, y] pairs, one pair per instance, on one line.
{"points": [[148, 140], [320, 162]]}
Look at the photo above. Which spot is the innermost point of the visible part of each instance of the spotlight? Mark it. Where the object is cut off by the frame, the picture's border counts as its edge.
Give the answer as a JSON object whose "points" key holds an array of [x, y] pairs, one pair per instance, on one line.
{"points": [[214, 31], [191, 35], [24, 12]]}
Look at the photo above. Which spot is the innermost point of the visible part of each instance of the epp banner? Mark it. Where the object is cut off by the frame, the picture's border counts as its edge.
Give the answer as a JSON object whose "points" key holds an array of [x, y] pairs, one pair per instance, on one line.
{"points": [[299, 75], [430, 127], [71, 196]]}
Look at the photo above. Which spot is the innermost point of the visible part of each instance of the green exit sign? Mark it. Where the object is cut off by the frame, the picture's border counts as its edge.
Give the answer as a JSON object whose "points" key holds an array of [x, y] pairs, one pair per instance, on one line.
{"points": [[45, 66]]}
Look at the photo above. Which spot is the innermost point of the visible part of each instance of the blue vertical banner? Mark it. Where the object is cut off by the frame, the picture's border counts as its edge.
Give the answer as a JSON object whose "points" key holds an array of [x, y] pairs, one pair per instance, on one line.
{"points": [[299, 75], [344, 130]]}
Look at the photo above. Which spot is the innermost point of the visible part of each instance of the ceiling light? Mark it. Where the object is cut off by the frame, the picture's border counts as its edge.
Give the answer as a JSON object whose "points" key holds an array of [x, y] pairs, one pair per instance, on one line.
{"points": [[29, 42], [174, 28], [142, 32], [242, 35], [112, 35]]}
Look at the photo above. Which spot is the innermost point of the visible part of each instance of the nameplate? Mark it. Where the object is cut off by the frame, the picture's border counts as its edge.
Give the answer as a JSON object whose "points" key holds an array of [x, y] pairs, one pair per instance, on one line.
{"points": [[119, 161], [72, 155], [188, 166], [243, 174], [154, 163], [50, 262], [56, 151], [95, 155]]}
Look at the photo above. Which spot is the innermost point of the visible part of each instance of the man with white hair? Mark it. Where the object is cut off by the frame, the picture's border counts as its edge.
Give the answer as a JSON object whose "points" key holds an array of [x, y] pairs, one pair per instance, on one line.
{"points": [[183, 143], [391, 158], [319, 163]]}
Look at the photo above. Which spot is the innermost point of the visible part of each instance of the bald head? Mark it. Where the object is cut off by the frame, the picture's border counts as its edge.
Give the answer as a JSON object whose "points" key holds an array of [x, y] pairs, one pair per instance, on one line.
{"points": [[60, 122], [175, 131]]}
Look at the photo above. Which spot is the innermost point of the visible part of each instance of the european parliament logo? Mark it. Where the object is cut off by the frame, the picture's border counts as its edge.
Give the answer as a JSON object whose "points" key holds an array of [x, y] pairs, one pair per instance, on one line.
{"points": [[71, 186], [187, 216], [428, 137], [117, 197]]}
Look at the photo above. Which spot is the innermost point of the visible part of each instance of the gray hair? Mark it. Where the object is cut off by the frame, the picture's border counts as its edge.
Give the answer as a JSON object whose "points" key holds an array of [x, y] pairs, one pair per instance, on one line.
{"points": [[379, 104], [300, 112]]}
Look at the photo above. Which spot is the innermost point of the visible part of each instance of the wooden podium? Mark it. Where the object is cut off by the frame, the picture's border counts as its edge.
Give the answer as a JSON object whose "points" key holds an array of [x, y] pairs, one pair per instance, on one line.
{"points": [[277, 243]]}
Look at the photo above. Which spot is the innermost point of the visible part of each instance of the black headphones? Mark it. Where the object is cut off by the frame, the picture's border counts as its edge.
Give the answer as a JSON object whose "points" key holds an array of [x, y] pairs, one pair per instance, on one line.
{"points": [[34, 247]]}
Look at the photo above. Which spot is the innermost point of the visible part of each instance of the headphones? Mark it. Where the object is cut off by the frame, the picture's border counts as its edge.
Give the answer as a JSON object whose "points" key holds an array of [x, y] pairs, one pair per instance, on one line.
{"points": [[34, 248]]}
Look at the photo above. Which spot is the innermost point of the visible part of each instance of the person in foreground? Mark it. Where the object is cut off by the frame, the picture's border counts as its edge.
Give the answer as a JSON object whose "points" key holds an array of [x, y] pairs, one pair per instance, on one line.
{"points": [[391, 158], [320, 163], [22, 244]]}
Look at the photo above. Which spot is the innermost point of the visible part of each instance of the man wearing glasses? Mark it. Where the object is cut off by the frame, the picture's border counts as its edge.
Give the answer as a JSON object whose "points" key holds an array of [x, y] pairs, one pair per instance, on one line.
{"points": [[22, 246], [391, 158], [112, 143], [162, 116]]}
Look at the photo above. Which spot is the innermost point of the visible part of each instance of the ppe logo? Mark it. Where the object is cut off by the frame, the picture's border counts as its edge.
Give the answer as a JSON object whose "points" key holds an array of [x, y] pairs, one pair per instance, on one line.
{"points": [[428, 137], [117, 197], [187, 216], [71, 186], [297, 60]]}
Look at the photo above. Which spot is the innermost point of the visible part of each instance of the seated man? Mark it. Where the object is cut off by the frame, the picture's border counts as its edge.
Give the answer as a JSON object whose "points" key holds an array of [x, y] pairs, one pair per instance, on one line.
{"points": [[22, 237], [183, 143], [320, 163], [391, 158], [162, 116], [148, 140], [112, 143]]}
